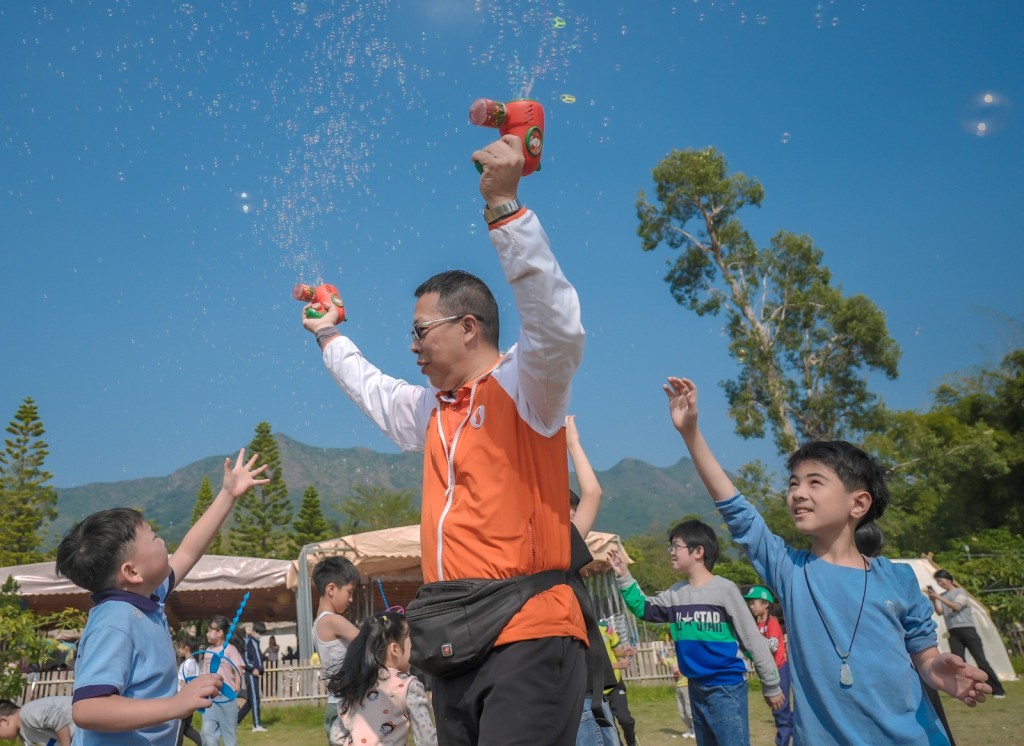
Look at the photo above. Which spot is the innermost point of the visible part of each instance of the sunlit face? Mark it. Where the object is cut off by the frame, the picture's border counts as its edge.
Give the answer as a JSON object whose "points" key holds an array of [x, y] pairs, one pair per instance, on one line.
{"points": [[944, 583], [401, 654], [8, 728], [341, 596], [149, 556], [757, 607], [685, 558], [441, 346], [818, 501]]}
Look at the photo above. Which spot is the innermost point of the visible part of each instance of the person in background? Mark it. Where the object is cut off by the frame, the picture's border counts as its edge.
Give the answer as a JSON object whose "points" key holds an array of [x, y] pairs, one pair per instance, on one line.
{"points": [[42, 721], [759, 601], [253, 676], [220, 720], [272, 655], [955, 607], [188, 670], [667, 656]]}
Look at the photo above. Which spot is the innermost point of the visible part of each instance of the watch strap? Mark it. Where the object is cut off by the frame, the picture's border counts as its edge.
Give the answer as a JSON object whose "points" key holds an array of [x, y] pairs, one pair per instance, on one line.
{"points": [[502, 211]]}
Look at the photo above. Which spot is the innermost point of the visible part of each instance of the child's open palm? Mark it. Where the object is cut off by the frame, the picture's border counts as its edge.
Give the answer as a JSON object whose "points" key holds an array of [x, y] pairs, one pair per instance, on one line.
{"points": [[955, 677], [242, 477], [682, 403], [617, 562]]}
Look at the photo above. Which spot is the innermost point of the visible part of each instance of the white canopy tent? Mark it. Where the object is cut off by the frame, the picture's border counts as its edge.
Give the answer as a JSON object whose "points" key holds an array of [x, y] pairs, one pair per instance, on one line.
{"points": [[995, 651], [216, 585]]}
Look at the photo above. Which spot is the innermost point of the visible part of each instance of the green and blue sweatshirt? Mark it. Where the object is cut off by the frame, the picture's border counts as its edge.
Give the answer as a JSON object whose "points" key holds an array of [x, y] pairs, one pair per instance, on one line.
{"points": [[711, 627]]}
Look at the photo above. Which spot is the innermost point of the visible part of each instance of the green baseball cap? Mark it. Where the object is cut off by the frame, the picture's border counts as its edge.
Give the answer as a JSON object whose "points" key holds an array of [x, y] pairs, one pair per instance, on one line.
{"points": [[761, 593]]}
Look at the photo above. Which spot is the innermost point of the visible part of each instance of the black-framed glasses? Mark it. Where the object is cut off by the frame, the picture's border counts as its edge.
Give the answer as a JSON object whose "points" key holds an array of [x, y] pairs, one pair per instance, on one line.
{"points": [[673, 548], [419, 331]]}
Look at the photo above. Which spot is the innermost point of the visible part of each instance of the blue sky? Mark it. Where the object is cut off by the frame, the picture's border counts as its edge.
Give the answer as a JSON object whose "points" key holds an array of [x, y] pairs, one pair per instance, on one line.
{"points": [[169, 170]]}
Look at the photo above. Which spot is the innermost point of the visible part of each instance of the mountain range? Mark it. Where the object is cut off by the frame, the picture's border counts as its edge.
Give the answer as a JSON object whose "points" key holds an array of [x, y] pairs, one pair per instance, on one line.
{"points": [[638, 497]]}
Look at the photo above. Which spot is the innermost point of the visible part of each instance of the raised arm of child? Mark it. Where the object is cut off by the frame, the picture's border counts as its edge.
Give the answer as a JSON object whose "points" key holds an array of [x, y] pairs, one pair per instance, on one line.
{"points": [[237, 481], [117, 714], [682, 406], [590, 488], [952, 675]]}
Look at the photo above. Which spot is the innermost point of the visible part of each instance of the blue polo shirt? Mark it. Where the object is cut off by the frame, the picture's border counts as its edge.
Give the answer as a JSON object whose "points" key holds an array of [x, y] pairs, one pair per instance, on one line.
{"points": [[126, 650]]}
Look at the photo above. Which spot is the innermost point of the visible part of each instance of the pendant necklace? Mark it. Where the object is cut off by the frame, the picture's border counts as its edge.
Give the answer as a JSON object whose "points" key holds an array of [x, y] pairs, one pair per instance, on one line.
{"points": [[845, 674]]}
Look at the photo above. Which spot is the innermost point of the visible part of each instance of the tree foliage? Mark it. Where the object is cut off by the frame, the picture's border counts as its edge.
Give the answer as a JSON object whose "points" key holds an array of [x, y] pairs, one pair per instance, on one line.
{"points": [[23, 640], [957, 469], [802, 346], [204, 499], [370, 508], [26, 501], [263, 513], [310, 525]]}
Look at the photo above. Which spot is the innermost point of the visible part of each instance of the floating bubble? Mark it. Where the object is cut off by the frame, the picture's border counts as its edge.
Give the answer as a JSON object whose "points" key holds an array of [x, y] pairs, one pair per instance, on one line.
{"points": [[568, 98], [785, 138], [986, 114], [742, 354]]}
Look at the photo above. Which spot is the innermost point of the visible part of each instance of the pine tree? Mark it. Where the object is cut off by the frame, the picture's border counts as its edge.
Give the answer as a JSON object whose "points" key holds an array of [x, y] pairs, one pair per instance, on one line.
{"points": [[204, 499], [26, 501], [310, 525], [263, 513]]}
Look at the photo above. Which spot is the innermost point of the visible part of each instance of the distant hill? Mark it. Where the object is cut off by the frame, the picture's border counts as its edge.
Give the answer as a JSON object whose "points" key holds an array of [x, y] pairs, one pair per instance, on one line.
{"points": [[637, 496]]}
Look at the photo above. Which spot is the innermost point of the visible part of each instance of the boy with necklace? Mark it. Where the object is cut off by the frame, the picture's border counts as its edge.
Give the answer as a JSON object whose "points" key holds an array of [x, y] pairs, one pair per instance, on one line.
{"points": [[858, 627]]}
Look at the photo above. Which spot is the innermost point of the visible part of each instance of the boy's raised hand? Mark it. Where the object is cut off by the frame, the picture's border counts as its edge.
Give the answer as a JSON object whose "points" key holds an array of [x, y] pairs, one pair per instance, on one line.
{"points": [[618, 564], [955, 677], [682, 403], [242, 477]]}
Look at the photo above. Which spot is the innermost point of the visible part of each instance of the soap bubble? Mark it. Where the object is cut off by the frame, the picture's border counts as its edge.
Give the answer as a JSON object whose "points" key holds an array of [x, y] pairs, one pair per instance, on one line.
{"points": [[986, 114]]}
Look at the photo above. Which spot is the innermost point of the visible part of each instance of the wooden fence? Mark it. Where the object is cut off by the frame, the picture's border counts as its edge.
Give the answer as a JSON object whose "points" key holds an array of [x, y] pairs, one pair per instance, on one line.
{"points": [[290, 684]]}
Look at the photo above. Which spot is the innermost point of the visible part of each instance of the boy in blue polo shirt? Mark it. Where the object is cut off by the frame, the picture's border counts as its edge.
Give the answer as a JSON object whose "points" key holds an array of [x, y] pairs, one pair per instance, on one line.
{"points": [[125, 679]]}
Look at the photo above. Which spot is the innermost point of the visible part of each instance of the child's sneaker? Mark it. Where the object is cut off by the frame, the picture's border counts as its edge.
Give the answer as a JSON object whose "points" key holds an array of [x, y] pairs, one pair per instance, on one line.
{"points": [[258, 729]]}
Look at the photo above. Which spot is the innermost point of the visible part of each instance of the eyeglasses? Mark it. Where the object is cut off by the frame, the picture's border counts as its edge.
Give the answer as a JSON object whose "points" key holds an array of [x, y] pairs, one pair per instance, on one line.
{"points": [[673, 548], [419, 331]]}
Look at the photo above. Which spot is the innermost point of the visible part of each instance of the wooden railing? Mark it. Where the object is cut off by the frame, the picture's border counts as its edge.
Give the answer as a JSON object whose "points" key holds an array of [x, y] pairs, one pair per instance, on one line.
{"points": [[287, 683]]}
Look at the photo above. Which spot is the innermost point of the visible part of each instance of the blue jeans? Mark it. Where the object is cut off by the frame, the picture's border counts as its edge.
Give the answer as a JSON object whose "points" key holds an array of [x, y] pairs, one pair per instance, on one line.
{"points": [[592, 734], [720, 714], [220, 723]]}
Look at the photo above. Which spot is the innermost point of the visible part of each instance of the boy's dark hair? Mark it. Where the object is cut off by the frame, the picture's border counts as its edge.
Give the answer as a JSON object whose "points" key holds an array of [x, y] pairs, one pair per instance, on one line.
{"points": [[855, 469], [574, 500], [90, 553], [337, 570], [461, 293], [7, 708], [696, 534], [869, 539], [259, 627]]}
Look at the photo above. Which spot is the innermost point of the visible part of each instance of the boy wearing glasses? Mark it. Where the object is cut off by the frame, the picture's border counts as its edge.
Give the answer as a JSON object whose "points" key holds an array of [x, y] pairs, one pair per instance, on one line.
{"points": [[711, 627], [495, 468]]}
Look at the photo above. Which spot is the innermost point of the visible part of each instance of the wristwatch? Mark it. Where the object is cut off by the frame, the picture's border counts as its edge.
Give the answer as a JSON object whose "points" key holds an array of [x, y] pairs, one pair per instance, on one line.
{"points": [[498, 212]]}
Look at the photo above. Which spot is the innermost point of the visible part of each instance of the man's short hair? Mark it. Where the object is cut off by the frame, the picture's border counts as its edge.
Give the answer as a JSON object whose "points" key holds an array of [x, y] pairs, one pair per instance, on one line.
{"points": [[460, 293], [337, 570], [696, 534], [7, 708], [90, 553], [855, 469], [259, 628]]}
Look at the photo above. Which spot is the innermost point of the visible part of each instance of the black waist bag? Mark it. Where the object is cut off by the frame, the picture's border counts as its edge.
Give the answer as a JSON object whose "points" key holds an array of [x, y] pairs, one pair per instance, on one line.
{"points": [[454, 623]]}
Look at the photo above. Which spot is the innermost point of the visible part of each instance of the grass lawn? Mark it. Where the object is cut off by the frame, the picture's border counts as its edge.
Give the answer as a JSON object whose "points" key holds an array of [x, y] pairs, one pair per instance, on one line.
{"points": [[654, 707]]}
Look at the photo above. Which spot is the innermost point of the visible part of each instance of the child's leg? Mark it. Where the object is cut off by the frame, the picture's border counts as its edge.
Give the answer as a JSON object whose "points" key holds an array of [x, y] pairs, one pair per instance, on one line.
{"points": [[683, 703], [720, 714], [784, 717]]}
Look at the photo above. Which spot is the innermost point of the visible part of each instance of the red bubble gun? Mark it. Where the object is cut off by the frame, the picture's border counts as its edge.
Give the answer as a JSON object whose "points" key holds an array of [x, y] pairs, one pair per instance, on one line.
{"points": [[522, 117], [325, 295]]}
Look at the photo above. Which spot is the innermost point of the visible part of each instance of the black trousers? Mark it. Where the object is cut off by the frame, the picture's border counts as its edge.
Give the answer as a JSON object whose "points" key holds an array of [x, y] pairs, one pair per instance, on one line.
{"points": [[620, 709], [967, 637], [523, 694]]}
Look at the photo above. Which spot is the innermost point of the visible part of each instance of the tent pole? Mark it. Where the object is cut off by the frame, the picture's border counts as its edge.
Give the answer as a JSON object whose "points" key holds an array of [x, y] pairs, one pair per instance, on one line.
{"points": [[304, 606]]}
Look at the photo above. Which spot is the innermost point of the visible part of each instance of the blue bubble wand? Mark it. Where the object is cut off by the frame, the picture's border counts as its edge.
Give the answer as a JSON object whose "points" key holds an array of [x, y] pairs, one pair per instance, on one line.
{"points": [[227, 694]]}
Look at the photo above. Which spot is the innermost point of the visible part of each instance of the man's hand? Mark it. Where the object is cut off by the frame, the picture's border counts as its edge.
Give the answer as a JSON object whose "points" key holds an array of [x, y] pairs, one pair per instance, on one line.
{"points": [[682, 403], [242, 477], [776, 702], [618, 564], [330, 317], [502, 162]]}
